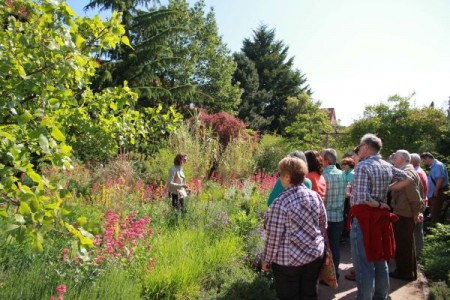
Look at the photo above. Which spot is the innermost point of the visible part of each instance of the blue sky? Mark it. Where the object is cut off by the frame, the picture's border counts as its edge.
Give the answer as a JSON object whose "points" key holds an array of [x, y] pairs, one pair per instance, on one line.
{"points": [[354, 52]]}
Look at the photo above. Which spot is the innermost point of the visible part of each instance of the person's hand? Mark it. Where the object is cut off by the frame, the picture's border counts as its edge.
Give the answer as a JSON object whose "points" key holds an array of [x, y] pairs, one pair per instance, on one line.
{"points": [[265, 266], [377, 204], [185, 186], [418, 218]]}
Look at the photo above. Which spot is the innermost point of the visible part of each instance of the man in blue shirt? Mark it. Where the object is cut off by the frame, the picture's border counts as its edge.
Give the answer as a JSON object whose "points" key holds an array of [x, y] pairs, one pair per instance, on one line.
{"points": [[437, 184]]}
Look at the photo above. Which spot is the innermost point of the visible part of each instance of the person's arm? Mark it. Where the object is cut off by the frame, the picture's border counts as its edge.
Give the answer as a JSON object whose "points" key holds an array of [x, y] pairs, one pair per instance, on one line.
{"points": [[322, 217], [171, 181], [414, 199], [361, 192], [400, 185], [438, 186], [400, 180], [275, 221], [360, 187]]}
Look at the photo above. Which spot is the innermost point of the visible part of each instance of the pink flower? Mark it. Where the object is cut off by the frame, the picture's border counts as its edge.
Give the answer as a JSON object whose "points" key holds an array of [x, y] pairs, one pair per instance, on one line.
{"points": [[61, 289]]}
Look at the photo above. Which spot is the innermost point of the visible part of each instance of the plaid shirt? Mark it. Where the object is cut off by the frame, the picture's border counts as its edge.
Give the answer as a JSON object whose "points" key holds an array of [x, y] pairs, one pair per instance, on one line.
{"points": [[335, 194], [294, 226], [372, 178]]}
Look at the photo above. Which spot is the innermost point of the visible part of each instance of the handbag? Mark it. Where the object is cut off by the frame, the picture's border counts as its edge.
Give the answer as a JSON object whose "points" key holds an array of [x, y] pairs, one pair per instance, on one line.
{"points": [[327, 272], [182, 193]]}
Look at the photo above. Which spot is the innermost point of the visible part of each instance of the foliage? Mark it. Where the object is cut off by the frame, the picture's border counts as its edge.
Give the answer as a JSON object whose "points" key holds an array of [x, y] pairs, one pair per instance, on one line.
{"points": [[199, 143], [391, 120], [209, 252], [253, 101], [436, 253], [45, 65], [177, 58], [276, 77], [307, 124], [443, 141], [271, 149], [237, 159], [223, 125], [439, 291], [180, 269]]}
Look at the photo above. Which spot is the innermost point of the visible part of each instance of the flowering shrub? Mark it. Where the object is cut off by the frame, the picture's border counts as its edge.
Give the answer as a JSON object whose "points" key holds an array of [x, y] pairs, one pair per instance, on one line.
{"points": [[120, 239], [265, 182]]}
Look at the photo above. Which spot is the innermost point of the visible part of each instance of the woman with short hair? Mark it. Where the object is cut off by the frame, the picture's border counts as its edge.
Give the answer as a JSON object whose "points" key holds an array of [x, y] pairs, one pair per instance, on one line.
{"points": [[295, 225]]}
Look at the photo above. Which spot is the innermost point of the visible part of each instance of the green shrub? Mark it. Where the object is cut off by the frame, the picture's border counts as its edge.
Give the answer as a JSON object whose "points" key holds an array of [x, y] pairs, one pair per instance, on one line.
{"points": [[272, 149], [237, 159], [200, 144], [439, 291], [236, 282], [156, 169], [436, 253]]}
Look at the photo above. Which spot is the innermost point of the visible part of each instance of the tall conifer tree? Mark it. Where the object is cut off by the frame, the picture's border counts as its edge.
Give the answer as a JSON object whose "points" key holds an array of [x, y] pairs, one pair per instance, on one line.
{"points": [[277, 80]]}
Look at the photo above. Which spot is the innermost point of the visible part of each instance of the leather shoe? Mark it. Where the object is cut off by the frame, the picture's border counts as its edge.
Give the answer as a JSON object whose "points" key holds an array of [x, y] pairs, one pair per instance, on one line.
{"points": [[351, 276], [398, 276]]}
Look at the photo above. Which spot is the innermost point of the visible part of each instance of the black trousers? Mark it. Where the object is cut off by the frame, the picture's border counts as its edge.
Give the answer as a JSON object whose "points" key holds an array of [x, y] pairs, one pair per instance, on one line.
{"points": [[178, 203], [297, 283]]}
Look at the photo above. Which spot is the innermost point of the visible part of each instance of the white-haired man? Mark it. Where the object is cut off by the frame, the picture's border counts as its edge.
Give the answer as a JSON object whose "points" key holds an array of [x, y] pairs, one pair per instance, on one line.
{"points": [[371, 235], [418, 228], [407, 205]]}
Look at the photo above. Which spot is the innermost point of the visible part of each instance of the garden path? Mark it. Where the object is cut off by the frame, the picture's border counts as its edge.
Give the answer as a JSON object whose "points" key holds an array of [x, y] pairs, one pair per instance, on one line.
{"points": [[400, 290]]}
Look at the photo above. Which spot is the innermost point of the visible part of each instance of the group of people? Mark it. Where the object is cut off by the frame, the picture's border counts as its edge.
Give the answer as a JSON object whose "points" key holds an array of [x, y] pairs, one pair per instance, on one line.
{"points": [[381, 202], [316, 200]]}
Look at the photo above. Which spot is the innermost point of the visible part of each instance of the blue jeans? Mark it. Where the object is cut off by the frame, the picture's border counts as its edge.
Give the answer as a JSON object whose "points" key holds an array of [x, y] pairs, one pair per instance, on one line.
{"points": [[334, 232], [372, 278]]}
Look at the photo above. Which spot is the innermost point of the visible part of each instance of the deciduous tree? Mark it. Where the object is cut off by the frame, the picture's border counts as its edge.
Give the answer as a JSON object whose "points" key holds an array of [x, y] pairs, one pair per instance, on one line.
{"points": [[400, 125]]}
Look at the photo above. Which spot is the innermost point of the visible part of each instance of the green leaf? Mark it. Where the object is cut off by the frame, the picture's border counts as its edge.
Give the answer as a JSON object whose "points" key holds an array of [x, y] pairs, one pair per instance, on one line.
{"points": [[125, 41], [37, 242], [57, 134], [12, 227], [19, 219], [43, 142], [83, 240], [24, 118], [81, 221], [7, 135], [34, 176], [4, 214], [24, 208]]}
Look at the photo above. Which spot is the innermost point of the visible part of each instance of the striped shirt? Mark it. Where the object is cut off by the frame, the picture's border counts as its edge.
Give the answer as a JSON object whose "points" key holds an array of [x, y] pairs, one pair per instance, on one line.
{"points": [[335, 194], [372, 178], [293, 231]]}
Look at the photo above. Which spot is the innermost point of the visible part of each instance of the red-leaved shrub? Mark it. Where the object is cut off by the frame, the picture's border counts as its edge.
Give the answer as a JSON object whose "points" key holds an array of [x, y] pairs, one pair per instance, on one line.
{"points": [[224, 125]]}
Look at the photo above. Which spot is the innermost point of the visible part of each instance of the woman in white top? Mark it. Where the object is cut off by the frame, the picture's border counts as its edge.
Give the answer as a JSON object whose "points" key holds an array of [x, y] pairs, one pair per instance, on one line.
{"points": [[177, 182]]}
